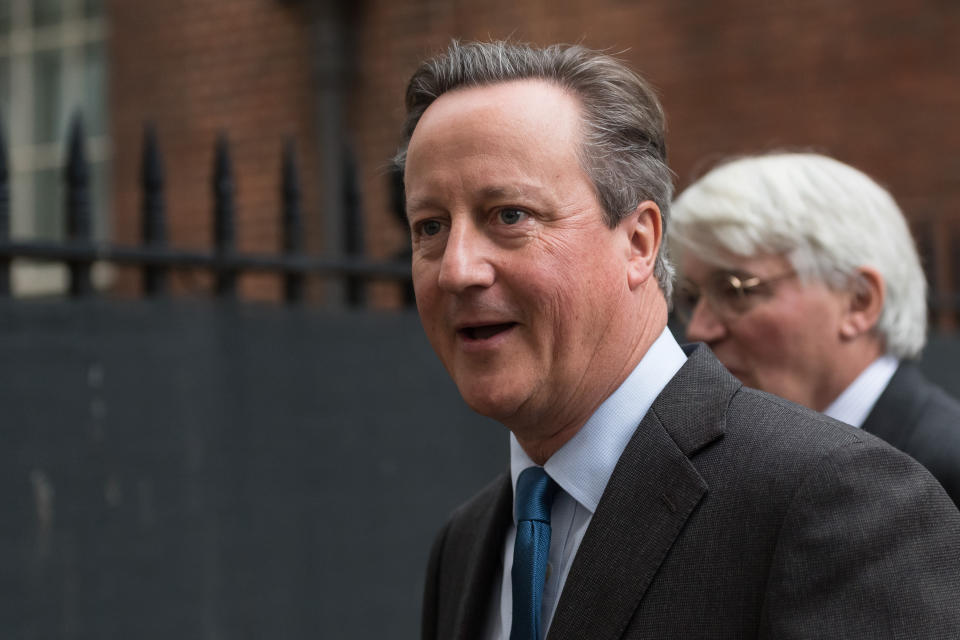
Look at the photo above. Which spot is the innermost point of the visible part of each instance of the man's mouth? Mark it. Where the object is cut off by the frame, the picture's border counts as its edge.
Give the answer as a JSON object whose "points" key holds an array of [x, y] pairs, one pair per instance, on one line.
{"points": [[484, 332]]}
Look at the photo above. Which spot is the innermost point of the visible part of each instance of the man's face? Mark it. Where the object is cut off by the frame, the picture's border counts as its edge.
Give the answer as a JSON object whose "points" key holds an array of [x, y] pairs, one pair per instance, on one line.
{"points": [[518, 279], [786, 338]]}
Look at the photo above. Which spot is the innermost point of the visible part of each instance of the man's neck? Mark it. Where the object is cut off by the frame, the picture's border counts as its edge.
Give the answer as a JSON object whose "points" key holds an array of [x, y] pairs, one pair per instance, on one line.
{"points": [[539, 445], [848, 364], [856, 402]]}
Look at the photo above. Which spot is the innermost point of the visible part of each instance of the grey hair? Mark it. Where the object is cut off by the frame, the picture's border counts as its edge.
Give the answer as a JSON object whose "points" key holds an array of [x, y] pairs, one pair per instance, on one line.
{"points": [[827, 218], [624, 150]]}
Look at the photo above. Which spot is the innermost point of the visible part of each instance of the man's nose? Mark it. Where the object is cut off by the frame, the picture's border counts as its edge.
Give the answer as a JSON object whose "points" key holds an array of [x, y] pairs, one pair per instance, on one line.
{"points": [[466, 261], [705, 325]]}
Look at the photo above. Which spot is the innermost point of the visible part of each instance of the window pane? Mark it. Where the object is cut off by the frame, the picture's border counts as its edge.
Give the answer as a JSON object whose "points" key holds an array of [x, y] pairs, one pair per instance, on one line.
{"points": [[48, 204], [92, 8], [46, 12], [47, 96], [21, 204], [5, 96], [5, 16], [95, 88]]}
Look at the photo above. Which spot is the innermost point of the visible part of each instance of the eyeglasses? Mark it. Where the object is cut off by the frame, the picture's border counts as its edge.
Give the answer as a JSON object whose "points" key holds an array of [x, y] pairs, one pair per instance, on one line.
{"points": [[728, 294]]}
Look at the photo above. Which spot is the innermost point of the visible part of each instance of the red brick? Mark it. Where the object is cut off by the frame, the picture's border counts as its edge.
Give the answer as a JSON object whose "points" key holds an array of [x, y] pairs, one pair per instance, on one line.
{"points": [[872, 82]]}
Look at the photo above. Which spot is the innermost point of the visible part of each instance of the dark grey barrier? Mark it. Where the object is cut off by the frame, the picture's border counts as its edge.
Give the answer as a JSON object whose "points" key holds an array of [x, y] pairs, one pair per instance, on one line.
{"points": [[212, 470], [215, 470]]}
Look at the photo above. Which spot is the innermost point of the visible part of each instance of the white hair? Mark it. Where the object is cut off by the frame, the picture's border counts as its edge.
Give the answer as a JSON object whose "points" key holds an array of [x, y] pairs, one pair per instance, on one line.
{"points": [[827, 218]]}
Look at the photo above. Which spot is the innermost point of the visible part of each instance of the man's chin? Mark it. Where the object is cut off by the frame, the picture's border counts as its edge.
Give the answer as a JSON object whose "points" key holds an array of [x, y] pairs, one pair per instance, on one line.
{"points": [[492, 403]]}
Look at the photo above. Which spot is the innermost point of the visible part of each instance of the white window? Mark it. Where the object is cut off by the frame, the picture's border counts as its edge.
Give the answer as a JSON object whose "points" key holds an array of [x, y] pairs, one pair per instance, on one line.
{"points": [[52, 63]]}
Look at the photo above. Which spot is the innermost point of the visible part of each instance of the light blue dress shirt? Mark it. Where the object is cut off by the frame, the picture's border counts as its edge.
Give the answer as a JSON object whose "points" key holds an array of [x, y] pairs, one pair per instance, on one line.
{"points": [[582, 468]]}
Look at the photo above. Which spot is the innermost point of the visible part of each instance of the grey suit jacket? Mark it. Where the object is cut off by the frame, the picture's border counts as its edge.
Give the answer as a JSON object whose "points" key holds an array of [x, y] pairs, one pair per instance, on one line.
{"points": [[731, 514], [919, 418]]}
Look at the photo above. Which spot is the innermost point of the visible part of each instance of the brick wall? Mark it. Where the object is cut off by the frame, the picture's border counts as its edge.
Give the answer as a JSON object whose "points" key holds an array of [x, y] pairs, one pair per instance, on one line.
{"points": [[196, 68], [872, 82]]}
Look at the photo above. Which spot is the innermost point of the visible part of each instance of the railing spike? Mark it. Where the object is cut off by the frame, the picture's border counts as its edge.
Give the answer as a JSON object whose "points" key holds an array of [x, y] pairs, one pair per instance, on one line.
{"points": [[4, 215], [399, 208], [223, 230], [79, 228], [154, 229], [292, 220], [352, 225]]}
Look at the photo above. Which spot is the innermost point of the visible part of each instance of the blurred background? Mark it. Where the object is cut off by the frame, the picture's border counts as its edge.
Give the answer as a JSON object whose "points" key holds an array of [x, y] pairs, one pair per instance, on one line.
{"points": [[221, 419]]}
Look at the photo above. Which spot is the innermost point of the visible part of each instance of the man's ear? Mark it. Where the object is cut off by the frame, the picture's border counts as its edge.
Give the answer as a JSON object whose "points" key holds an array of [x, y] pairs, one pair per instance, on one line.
{"points": [[644, 229], [864, 303]]}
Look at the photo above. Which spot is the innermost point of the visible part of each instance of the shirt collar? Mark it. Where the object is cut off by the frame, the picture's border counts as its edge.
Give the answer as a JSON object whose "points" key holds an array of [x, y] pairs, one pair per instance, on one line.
{"points": [[854, 404], [583, 466]]}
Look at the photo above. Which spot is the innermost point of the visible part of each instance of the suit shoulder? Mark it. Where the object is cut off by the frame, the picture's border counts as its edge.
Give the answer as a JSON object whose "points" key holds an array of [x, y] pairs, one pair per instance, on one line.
{"points": [[942, 413], [785, 444], [934, 438], [862, 500], [913, 411], [772, 417]]}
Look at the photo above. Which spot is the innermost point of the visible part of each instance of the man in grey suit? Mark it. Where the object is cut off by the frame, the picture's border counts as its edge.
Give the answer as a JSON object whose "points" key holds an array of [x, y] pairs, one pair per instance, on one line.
{"points": [[650, 494], [800, 273]]}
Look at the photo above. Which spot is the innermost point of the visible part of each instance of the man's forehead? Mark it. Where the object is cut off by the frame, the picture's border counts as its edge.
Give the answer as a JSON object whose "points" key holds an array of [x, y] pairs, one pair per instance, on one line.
{"points": [[501, 139], [529, 104]]}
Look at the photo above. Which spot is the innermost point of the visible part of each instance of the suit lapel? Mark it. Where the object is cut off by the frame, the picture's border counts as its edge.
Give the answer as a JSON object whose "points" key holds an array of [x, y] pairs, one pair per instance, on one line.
{"points": [[482, 560], [898, 405], [653, 491]]}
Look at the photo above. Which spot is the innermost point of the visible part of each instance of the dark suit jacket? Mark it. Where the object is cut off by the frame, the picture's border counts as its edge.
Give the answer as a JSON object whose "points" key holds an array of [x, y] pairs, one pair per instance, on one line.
{"points": [[919, 418], [731, 514]]}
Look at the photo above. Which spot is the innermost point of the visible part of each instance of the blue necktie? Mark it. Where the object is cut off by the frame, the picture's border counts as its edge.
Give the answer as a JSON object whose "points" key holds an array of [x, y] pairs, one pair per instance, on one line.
{"points": [[534, 498]]}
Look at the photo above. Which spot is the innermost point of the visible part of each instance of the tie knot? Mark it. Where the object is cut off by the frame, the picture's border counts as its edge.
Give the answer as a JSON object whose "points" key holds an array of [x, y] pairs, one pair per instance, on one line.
{"points": [[535, 490]]}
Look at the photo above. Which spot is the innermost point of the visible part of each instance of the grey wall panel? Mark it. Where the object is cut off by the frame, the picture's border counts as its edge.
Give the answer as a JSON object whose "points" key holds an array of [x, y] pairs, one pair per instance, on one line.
{"points": [[208, 470], [200, 470]]}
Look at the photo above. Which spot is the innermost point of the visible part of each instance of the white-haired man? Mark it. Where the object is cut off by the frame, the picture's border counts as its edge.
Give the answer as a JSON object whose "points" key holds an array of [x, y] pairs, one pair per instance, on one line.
{"points": [[801, 275]]}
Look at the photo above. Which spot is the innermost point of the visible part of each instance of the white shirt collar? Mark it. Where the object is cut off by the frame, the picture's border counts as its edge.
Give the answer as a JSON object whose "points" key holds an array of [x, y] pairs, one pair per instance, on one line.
{"points": [[583, 466], [854, 404]]}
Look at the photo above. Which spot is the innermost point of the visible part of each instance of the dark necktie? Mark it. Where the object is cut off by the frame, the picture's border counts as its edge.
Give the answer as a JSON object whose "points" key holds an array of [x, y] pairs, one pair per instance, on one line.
{"points": [[535, 490]]}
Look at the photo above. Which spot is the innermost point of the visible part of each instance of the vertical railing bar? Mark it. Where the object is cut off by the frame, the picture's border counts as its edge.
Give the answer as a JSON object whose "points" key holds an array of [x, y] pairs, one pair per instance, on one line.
{"points": [[352, 226], [4, 216], [154, 230], [223, 216], [77, 178], [399, 208], [292, 221]]}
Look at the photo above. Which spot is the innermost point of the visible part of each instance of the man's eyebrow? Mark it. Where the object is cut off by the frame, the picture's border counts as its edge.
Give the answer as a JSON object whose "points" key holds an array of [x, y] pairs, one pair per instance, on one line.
{"points": [[498, 191], [488, 192], [416, 204]]}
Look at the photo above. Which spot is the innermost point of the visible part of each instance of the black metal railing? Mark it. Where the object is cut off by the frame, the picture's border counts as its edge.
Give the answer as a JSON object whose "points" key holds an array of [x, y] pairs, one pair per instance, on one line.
{"points": [[4, 218], [79, 251]]}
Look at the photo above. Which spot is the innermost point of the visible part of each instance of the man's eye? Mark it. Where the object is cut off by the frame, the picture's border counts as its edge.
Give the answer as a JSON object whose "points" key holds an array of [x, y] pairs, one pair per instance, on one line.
{"points": [[511, 216], [727, 291], [430, 228]]}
